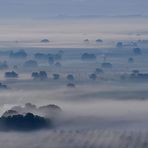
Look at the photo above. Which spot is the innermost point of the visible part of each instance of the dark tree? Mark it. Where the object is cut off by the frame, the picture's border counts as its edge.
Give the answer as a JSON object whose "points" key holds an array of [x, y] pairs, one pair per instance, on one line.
{"points": [[88, 56], [106, 65], [130, 60], [137, 51], [93, 76], [18, 54], [71, 85], [119, 45], [70, 77], [45, 41], [99, 71], [11, 74], [27, 122], [56, 76]]}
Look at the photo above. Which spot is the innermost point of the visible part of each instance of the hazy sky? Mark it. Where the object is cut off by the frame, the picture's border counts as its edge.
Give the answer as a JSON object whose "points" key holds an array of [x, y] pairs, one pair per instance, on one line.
{"points": [[47, 8]]}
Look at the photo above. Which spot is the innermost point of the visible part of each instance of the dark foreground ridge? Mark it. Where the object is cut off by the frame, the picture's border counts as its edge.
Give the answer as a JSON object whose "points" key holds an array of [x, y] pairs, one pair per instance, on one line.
{"points": [[29, 117], [27, 122]]}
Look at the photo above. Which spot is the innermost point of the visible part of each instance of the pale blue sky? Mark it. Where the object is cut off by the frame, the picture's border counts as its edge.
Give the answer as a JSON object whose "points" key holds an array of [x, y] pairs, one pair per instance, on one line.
{"points": [[47, 8]]}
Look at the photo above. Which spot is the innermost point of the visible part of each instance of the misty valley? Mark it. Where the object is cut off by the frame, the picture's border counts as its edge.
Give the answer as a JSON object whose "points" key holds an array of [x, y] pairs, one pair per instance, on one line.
{"points": [[80, 97], [73, 73], [74, 83]]}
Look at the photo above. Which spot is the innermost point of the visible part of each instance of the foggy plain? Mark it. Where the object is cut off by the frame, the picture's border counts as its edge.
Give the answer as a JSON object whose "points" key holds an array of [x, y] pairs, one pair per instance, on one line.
{"points": [[95, 113]]}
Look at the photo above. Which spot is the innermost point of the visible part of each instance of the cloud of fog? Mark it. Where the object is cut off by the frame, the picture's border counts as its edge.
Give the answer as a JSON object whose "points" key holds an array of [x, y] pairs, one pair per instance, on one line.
{"points": [[91, 105], [71, 33], [79, 110]]}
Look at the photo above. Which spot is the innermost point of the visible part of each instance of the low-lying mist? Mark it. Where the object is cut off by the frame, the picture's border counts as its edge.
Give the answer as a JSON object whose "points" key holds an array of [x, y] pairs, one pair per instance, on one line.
{"points": [[84, 106], [91, 97]]}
